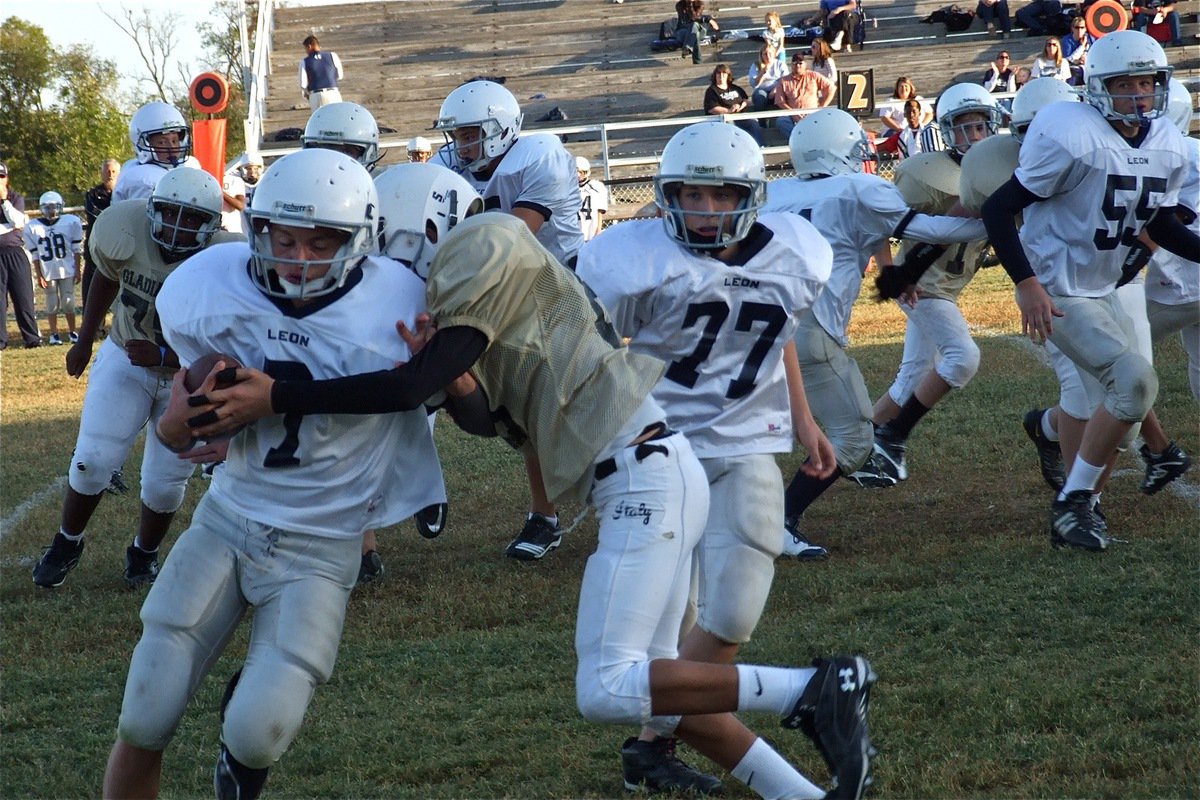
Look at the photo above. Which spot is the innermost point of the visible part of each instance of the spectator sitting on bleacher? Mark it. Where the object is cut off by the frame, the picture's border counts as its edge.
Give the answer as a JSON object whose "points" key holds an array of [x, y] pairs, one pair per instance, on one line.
{"points": [[775, 36], [1157, 12], [802, 89], [891, 113], [1042, 17], [723, 96], [991, 10], [839, 18], [1024, 76], [1075, 47], [764, 74], [912, 139], [1051, 64], [693, 27], [822, 61], [1001, 77]]}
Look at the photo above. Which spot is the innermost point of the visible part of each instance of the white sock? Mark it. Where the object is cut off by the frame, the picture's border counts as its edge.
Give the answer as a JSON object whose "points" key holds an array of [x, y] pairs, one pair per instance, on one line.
{"points": [[1047, 431], [766, 772], [1083, 476], [70, 537], [773, 689]]}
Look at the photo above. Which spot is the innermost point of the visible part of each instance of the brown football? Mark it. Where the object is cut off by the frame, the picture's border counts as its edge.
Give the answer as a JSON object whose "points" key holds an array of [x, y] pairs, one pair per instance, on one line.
{"points": [[203, 365]]}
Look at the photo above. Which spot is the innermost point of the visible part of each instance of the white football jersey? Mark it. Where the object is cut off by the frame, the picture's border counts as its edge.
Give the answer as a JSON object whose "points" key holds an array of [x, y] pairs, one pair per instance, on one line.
{"points": [[593, 201], [137, 181], [55, 244], [857, 214], [539, 172], [1098, 190], [231, 218], [331, 475], [1170, 279], [721, 328]]}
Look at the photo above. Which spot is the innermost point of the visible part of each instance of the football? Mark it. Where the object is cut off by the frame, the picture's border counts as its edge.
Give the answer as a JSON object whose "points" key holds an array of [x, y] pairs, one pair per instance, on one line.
{"points": [[203, 365]]}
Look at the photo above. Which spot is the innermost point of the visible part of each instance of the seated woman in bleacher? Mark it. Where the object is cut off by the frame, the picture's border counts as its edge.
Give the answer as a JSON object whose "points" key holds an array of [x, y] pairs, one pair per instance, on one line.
{"points": [[764, 74], [723, 96], [822, 61], [1051, 64], [891, 113]]}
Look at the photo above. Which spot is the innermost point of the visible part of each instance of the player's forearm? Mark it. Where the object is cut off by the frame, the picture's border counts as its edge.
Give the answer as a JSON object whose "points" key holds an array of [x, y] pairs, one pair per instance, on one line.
{"points": [[1169, 233], [101, 293], [944, 229], [999, 212], [447, 355]]}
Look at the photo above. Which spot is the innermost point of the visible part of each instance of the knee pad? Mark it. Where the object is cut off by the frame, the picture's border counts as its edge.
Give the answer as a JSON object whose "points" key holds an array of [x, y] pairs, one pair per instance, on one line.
{"points": [[959, 364], [1132, 388], [92, 466], [162, 496], [618, 694], [266, 711]]}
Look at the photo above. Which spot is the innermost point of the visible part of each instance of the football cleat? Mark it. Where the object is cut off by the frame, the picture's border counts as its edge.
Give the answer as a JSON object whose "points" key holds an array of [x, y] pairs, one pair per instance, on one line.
{"points": [[431, 520], [833, 711], [1163, 468], [53, 340], [653, 767], [1074, 523], [371, 568], [536, 539], [1049, 455], [890, 448], [141, 567], [233, 780], [59, 558], [74, 337], [796, 546], [875, 473]]}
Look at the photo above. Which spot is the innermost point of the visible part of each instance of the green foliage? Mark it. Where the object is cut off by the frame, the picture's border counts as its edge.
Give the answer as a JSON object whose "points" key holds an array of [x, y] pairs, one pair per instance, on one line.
{"points": [[60, 117]]}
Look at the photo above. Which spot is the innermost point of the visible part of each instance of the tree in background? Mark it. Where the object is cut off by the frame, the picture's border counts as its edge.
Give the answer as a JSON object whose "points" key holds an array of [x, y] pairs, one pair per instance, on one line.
{"points": [[221, 39], [60, 117]]}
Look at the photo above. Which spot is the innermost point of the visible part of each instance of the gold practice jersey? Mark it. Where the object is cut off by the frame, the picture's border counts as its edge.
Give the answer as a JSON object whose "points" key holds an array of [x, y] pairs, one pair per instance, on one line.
{"points": [[553, 379]]}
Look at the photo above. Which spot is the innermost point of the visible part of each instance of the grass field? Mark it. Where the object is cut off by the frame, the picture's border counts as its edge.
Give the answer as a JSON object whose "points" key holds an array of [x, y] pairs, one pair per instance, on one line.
{"points": [[1007, 669]]}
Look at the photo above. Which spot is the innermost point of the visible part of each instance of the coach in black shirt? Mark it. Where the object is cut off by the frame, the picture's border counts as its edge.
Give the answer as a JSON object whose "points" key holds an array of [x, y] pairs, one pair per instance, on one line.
{"points": [[16, 280]]}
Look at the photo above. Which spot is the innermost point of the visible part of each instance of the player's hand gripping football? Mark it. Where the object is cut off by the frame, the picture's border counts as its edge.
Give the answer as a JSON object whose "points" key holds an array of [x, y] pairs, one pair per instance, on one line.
{"points": [[225, 410]]}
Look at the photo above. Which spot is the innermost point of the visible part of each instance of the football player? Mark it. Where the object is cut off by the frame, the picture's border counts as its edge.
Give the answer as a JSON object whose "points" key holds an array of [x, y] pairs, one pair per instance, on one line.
{"points": [[351, 129], [161, 141], [533, 178], [55, 244], [593, 196], [420, 149], [518, 338], [279, 529], [1091, 177], [857, 213], [346, 127], [135, 245], [939, 353], [713, 264]]}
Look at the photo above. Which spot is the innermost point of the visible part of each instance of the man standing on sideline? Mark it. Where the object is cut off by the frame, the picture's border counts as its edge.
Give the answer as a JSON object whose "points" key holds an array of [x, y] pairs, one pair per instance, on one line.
{"points": [[319, 75], [593, 199], [15, 278]]}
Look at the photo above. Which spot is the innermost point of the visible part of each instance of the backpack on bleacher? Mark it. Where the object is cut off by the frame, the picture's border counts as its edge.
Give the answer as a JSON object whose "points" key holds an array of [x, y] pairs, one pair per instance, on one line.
{"points": [[954, 17]]}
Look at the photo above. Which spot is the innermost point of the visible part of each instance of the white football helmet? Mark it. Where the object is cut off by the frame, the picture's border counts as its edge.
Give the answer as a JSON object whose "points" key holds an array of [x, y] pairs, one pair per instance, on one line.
{"points": [[584, 166], [711, 154], [1179, 105], [309, 189], [196, 198], [420, 204], [155, 118], [828, 142], [489, 107], [1032, 98], [1125, 53], [341, 125], [51, 204], [965, 98]]}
